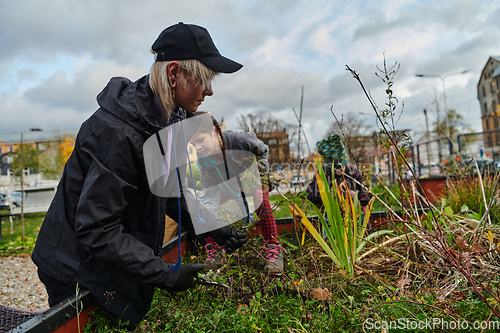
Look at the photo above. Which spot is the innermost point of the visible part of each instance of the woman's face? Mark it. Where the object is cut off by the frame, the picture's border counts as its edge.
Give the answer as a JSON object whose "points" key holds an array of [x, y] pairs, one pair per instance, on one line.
{"points": [[206, 143], [191, 98]]}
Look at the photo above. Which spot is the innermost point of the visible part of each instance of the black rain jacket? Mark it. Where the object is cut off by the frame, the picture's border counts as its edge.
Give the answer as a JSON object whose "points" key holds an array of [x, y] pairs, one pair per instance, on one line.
{"points": [[104, 228]]}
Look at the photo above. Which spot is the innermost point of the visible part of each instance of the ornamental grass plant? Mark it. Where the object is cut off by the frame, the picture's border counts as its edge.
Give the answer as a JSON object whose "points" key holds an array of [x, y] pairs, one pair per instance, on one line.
{"points": [[475, 194], [345, 223]]}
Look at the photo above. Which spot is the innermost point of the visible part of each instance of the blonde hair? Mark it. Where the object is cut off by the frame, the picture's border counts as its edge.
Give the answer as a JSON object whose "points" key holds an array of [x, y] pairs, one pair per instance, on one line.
{"points": [[158, 81]]}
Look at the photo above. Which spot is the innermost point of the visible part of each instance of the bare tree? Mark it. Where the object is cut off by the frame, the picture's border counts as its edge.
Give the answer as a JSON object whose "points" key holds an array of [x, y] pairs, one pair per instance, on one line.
{"points": [[277, 134], [261, 122], [455, 123], [358, 136]]}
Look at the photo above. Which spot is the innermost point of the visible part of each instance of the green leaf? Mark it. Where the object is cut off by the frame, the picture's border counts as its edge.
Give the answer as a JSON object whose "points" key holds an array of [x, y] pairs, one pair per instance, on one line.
{"points": [[443, 202], [448, 210], [290, 245], [372, 235], [464, 208]]}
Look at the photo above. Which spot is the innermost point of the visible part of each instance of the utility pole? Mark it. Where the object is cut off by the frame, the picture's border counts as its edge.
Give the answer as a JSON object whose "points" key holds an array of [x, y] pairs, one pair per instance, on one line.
{"points": [[21, 165], [443, 77], [301, 129], [300, 120], [427, 134], [439, 141]]}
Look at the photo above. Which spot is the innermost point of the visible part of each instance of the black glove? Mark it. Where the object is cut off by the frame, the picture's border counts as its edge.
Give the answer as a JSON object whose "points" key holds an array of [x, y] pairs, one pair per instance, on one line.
{"points": [[186, 277], [230, 237]]}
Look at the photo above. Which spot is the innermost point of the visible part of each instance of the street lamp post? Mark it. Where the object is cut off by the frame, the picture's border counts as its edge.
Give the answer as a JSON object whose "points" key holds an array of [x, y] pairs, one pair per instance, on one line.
{"points": [[443, 77]]}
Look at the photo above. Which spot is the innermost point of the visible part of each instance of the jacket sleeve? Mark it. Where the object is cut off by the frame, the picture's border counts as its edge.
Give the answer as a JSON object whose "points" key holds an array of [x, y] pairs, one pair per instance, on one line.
{"points": [[313, 194], [313, 191], [248, 141], [210, 197], [363, 195], [110, 182]]}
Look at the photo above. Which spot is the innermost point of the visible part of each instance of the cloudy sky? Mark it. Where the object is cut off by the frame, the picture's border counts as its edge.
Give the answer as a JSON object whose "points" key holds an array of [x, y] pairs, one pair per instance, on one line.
{"points": [[57, 55]]}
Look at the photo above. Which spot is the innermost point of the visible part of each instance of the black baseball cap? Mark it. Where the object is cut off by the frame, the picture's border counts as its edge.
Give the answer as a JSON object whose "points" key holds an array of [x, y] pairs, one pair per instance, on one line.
{"points": [[188, 41]]}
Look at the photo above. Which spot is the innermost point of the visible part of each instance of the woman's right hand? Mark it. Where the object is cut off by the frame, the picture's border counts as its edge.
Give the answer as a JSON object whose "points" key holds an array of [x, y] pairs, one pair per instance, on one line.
{"points": [[187, 277]]}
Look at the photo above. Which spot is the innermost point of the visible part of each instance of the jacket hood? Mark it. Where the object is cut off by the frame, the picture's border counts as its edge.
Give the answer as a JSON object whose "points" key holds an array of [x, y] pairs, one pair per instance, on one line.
{"points": [[132, 102]]}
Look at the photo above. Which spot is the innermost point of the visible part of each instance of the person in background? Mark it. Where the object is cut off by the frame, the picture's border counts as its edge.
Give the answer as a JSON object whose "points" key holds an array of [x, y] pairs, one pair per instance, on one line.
{"points": [[104, 228], [335, 157], [212, 146]]}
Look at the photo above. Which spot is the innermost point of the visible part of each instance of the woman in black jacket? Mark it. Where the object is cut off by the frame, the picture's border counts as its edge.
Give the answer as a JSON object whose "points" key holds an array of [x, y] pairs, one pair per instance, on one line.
{"points": [[104, 228]]}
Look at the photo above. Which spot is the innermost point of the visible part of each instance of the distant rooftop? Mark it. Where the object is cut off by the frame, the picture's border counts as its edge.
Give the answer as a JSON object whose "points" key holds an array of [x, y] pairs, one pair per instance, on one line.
{"points": [[497, 71], [37, 135]]}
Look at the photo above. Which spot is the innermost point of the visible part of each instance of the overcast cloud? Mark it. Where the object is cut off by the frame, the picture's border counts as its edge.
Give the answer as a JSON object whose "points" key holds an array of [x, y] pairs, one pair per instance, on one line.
{"points": [[57, 55]]}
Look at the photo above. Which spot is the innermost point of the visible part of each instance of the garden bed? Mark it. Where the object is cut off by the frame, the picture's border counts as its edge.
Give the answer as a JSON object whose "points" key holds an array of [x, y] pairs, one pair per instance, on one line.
{"points": [[413, 275], [312, 296]]}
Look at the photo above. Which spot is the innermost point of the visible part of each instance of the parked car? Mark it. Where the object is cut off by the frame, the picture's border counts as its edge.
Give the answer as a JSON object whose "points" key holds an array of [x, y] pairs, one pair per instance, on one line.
{"points": [[298, 180], [16, 199], [427, 170], [484, 165], [4, 201]]}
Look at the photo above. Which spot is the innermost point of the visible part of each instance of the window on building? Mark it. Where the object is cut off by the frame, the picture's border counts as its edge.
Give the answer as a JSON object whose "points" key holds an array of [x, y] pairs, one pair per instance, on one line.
{"points": [[493, 107], [485, 108], [272, 141], [492, 87], [487, 124], [484, 91], [10, 149]]}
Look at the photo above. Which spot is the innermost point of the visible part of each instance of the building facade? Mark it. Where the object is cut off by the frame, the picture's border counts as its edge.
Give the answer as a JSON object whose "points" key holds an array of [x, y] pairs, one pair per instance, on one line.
{"points": [[279, 147], [36, 138], [488, 94]]}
